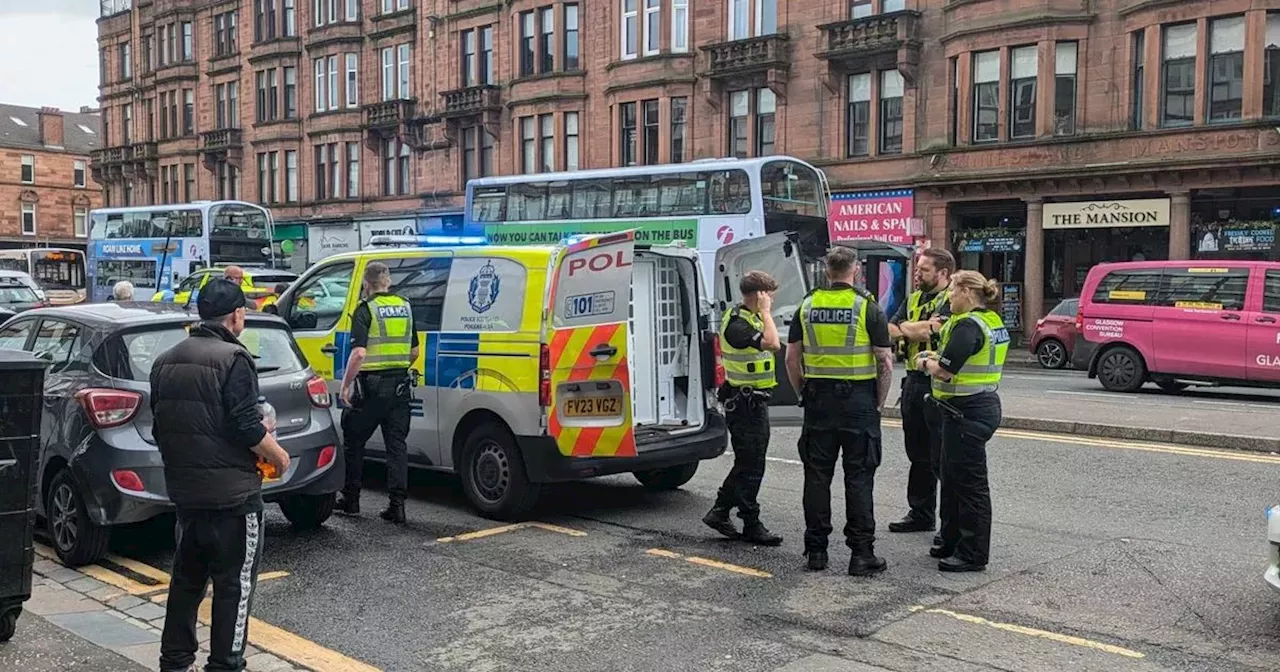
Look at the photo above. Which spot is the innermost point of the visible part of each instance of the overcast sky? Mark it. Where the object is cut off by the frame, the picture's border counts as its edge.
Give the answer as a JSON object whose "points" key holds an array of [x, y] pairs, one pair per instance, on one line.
{"points": [[49, 53]]}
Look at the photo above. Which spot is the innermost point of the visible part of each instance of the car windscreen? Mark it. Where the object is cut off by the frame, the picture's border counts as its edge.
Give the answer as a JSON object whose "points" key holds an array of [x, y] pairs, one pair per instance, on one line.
{"points": [[131, 355], [17, 294]]}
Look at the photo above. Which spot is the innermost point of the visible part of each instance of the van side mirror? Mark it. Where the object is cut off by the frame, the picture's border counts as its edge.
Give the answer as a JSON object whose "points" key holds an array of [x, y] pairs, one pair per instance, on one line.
{"points": [[271, 308], [305, 321]]}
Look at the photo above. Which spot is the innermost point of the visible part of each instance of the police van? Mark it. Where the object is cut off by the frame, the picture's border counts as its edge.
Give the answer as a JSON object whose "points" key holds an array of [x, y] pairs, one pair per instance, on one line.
{"points": [[542, 364]]}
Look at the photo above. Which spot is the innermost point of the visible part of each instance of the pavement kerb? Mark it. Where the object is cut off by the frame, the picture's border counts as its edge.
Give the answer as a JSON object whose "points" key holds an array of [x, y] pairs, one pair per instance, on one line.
{"points": [[1261, 444]]}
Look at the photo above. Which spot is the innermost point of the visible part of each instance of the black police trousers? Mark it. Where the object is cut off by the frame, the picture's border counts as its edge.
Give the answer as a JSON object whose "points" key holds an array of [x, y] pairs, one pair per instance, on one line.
{"points": [[921, 432], [226, 547], [749, 431], [840, 417], [386, 403], [966, 493]]}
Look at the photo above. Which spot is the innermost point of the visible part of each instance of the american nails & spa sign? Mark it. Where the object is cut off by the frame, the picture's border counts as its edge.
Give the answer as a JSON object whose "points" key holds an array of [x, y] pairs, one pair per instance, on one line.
{"points": [[1107, 214], [871, 215]]}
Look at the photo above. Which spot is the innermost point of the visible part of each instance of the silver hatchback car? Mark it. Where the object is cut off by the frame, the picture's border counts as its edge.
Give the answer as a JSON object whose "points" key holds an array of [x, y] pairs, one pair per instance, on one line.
{"points": [[99, 465]]}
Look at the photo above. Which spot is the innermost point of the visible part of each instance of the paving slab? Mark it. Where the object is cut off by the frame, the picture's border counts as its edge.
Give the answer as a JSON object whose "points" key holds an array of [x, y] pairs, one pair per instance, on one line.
{"points": [[48, 600], [146, 611], [40, 646], [104, 630]]}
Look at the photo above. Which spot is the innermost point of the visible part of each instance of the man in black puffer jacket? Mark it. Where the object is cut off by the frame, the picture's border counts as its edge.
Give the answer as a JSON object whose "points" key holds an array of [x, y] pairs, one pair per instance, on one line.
{"points": [[204, 394]]}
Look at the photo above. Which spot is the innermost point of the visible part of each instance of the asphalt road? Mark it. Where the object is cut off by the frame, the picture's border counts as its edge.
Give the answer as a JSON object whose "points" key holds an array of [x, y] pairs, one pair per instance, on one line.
{"points": [[1107, 555]]}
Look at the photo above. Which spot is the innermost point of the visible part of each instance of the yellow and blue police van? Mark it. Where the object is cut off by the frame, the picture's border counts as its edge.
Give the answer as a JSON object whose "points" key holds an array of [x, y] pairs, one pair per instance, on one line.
{"points": [[259, 285], [541, 364]]}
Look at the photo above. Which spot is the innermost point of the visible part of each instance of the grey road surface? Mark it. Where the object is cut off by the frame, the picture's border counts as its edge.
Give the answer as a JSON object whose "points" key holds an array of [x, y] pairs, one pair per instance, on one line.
{"points": [[1107, 556]]}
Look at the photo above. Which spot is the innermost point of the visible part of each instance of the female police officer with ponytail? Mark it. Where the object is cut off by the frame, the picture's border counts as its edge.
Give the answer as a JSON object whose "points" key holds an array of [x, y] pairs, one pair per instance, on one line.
{"points": [[965, 376]]}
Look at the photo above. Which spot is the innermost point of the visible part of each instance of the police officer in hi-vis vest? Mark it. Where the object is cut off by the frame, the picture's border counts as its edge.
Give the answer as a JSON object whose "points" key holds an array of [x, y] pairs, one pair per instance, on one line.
{"points": [[918, 323], [748, 339], [377, 389], [840, 358], [966, 374]]}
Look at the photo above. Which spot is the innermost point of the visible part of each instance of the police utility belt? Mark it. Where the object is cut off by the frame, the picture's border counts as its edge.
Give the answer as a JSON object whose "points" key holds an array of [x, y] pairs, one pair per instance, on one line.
{"points": [[745, 397]]}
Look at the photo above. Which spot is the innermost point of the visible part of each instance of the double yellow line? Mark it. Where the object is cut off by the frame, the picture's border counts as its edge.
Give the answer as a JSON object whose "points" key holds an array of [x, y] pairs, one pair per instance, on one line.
{"points": [[276, 641]]}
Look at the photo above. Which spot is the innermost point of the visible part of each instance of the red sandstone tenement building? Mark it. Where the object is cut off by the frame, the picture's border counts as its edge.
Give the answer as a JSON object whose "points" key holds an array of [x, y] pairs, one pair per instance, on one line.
{"points": [[46, 190], [1024, 133]]}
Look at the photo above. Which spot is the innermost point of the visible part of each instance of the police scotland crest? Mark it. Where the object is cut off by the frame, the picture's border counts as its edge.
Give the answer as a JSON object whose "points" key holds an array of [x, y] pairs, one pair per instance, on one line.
{"points": [[483, 292]]}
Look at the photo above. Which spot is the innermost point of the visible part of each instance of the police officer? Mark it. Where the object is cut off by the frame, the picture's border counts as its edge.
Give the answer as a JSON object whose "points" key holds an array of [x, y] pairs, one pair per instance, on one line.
{"points": [[377, 389], [841, 359], [966, 374], [748, 339], [918, 324]]}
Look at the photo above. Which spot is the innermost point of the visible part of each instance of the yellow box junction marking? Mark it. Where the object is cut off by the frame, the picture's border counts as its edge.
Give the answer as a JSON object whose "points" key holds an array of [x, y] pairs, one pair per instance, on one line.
{"points": [[1033, 632], [493, 531], [707, 562]]}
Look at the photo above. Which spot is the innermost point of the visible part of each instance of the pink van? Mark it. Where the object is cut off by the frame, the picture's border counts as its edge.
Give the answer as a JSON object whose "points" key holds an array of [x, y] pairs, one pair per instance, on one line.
{"points": [[1176, 323]]}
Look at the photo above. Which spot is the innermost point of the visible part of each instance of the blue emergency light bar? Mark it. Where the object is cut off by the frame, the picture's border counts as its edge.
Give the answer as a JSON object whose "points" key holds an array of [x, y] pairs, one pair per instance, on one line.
{"points": [[427, 241]]}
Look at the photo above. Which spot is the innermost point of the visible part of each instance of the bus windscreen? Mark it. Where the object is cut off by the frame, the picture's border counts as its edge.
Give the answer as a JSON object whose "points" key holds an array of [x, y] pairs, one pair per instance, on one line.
{"points": [[58, 269]]}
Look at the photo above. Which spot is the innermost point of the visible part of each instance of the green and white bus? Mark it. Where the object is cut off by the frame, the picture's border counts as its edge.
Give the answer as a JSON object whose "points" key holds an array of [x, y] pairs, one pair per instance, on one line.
{"points": [[705, 204]]}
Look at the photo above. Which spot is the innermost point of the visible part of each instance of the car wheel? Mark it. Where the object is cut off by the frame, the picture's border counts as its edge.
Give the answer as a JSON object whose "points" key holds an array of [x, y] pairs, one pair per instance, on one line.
{"points": [[1051, 353], [9, 623], [667, 478], [493, 475], [308, 512], [76, 539], [1171, 386], [1122, 370]]}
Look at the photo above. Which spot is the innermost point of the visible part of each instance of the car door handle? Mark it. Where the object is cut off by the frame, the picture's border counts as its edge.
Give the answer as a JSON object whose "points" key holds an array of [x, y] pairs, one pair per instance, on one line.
{"points": [[604, 350], [1264, 318], [1229, 316], [329, 349]]}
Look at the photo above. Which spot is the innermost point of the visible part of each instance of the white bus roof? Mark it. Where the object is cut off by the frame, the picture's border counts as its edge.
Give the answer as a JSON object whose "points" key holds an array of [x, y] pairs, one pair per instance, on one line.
{"points": [[698, 165], [194, 205]]}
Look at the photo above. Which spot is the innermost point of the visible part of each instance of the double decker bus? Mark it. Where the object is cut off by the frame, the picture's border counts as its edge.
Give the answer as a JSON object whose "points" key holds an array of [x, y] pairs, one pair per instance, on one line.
{"points": [[59, 272], [155, 247], [705, 204]]}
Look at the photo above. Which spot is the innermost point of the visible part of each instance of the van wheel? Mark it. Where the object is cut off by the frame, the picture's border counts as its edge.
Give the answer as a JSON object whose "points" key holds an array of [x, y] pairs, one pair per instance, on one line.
{"points": [[667, 478], [307, 512], [1051, 354], [493, 475], [1122, 370], [76, 539]]}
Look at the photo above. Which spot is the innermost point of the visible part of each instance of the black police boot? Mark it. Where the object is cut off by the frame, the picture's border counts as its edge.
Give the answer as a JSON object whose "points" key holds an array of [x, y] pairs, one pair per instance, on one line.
{"points": [[394, 513], [718, 519], [347, 505], [864, 562], [911, 524], [956, 564], [817, 561], [755, 532]]}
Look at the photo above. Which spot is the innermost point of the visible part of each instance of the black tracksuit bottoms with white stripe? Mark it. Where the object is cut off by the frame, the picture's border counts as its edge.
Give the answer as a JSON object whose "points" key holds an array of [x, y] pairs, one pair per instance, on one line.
{"points": [[225, 547]]}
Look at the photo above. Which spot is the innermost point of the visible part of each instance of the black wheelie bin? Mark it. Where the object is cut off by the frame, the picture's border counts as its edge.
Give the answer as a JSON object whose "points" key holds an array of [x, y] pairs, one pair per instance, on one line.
{"points": [[21, 395]]}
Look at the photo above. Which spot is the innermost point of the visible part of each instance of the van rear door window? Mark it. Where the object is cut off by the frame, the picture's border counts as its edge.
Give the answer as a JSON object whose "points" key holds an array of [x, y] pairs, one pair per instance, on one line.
{"points": [[1134, 287], [1205, 287], [1271, 294]]}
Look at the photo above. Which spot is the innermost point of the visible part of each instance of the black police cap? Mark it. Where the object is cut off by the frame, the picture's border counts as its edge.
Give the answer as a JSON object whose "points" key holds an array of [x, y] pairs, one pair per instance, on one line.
{"points": [[219, 298]]}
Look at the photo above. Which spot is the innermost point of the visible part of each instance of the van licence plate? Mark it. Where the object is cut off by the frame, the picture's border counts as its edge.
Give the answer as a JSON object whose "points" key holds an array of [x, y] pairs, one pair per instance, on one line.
{"points": [[592, 407]]}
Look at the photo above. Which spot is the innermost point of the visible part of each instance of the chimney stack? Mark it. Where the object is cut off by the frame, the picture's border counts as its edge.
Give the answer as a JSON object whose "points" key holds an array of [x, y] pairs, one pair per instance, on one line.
{"points": [[51, 127], [86, 109]]}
